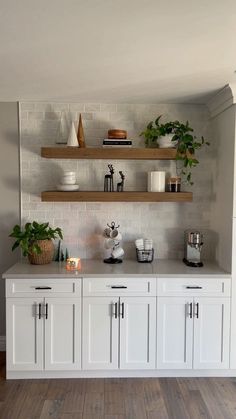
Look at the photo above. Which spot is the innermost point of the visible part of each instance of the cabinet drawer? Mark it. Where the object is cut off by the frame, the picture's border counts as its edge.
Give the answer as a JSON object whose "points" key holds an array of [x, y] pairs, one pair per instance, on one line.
{"points": [[119, 286], [215, 287], [61, 287]]}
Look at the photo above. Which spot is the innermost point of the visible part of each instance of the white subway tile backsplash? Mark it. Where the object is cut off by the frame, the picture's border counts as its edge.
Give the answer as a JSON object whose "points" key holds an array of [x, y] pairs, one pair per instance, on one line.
{"points": [[83, 223]]}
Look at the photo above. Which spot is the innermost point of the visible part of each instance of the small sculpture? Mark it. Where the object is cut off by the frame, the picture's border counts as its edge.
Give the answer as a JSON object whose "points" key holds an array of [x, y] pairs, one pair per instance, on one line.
{"points": [[72, 139], [120, 185], [108, 180], [80, 133]]}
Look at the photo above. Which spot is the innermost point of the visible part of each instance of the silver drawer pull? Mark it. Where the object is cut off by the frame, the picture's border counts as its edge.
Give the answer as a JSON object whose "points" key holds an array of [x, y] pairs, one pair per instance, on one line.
{"points": [[116, 287], [43, 288], [193, 287]]}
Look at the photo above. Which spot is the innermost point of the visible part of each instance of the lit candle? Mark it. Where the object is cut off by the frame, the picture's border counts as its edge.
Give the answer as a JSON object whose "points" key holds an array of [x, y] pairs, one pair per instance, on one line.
{"points": [[73, 264]]}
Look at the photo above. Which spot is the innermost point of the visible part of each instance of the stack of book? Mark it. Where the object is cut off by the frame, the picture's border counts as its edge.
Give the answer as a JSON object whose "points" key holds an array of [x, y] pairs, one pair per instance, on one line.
{"points": [[108, 142], [117, 138]]}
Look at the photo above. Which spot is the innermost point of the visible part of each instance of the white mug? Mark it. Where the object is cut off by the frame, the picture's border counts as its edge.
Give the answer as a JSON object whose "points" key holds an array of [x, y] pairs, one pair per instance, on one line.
{"points": [[156, 181], [109, 243], [117, 252], [114, 234]]}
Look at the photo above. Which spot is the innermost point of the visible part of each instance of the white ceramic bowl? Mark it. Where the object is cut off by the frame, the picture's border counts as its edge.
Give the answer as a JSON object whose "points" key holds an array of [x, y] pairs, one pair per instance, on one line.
{"points": [[67, 188], [67, 181]]}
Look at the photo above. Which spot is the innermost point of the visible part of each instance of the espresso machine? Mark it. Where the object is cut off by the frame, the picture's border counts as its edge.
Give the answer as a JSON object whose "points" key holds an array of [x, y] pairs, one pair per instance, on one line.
{"points": [[192, 248]]}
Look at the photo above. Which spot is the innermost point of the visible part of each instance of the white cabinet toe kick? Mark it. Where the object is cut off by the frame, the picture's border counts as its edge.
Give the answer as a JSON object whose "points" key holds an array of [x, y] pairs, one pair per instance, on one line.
{"points": [[118, 327]]}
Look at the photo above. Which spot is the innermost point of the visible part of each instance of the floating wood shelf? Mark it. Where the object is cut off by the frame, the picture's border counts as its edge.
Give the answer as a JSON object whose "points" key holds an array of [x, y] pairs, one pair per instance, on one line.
{"points": [[108, 153], [94, 196]]}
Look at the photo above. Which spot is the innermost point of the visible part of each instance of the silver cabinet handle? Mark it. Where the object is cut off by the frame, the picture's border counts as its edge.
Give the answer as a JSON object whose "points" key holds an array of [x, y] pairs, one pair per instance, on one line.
{"points": [[43, 288], [118, 287], [189, 310], [46, 311], [115, 312], [40, 310], [193, 287], [196, 310], [122, 311]]}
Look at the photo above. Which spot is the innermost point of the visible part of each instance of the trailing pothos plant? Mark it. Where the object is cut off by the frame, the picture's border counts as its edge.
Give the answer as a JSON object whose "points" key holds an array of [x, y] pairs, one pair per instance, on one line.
{"points": [[183, 140], [27, 237]]}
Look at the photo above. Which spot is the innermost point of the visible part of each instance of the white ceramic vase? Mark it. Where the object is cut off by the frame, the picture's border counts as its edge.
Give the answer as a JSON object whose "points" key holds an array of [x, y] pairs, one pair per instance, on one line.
{"points": [[165, 141], [72, 139]]}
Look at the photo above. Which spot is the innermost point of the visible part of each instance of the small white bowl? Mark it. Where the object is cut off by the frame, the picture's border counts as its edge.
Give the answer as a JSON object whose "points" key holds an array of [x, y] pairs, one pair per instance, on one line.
{"points": [[67, 181], [67, 188]]}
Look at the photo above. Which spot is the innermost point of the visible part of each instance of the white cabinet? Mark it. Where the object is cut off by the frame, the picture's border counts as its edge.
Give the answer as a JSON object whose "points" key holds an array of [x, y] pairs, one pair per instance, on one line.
{"points": [[62, 333], [211, 333], [43, 332], [24, 334], [119, 332], [193, 333], [174, 333], [100, 333], [137, 332]]}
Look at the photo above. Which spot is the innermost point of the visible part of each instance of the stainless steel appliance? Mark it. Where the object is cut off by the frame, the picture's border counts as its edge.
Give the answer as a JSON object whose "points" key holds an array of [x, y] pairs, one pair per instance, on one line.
{"points": [[192, 248]]}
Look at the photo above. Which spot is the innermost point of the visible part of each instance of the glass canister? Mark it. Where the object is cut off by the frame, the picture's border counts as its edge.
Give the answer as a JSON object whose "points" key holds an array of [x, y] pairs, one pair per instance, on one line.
{"points": [[174, 184]]}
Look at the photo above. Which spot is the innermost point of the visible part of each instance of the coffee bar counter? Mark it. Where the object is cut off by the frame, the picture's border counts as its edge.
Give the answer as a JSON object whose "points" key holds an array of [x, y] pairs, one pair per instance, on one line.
{"points": [[131, 268]]}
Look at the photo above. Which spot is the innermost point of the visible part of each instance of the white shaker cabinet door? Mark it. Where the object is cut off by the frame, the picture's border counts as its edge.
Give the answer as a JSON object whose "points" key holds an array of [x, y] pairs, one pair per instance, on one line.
{"points": [[174, 332], [211, 333], [62, 318], [24, 334], [137, 332], [100, 333]]}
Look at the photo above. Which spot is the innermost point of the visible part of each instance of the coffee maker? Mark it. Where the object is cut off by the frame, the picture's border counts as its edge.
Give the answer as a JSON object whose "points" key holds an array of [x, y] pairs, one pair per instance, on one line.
{"points": [[192, 248]]}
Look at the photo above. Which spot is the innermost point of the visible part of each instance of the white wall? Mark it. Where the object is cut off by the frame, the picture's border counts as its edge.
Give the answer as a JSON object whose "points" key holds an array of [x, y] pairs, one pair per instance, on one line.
{"points": [[9, 192], [83, 223], [223, 129]]}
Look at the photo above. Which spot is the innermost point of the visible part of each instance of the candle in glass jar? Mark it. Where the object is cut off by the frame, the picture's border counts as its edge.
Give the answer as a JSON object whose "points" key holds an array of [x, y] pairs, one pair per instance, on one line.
{"points": [[73, 264]]}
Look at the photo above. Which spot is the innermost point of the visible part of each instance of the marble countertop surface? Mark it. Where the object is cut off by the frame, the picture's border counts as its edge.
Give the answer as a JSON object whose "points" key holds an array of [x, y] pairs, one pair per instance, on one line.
{"points": [[97, 268]]}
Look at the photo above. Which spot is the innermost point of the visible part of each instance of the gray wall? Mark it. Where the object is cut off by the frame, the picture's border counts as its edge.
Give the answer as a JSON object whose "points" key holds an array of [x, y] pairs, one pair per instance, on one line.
{"points": [[9, 191]]}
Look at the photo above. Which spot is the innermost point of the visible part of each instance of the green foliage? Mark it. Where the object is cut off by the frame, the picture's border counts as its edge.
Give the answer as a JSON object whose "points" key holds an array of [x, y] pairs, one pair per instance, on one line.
{"points": [[26, 237], [183, 139]]}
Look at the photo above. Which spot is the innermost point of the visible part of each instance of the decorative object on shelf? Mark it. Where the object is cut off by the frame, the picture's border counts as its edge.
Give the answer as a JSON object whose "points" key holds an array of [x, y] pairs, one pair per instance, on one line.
{"points": [[182, 139], [108, 180], [80, 133], [72, 139], [35, 240], [120, 185], [63, 129], [108, 143], [193, 242], [144, 250], [174, 184], [117, 134], [60, 257], [73, 264], [156, 181], [112, 242], [68, 182]]}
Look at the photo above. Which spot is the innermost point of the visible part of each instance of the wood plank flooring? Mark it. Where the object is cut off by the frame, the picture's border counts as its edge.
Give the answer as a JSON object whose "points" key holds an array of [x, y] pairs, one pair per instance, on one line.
{"points": [[142, 398]]}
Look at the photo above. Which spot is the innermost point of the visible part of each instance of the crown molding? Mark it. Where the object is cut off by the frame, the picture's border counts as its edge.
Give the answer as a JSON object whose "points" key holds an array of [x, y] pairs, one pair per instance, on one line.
{"points": [[225, 98]]}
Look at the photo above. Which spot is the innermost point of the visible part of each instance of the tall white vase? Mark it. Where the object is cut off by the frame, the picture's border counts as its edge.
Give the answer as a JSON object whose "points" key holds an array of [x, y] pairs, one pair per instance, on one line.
{"points": [[72, 139]]}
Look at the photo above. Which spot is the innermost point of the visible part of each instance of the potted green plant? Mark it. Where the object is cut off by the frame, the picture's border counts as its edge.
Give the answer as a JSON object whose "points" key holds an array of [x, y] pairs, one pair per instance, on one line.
{"points": [[182, 139], [35, 240]]}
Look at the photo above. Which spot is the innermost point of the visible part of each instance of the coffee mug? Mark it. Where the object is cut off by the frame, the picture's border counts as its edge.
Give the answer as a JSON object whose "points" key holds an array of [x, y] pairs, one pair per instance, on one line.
{"points": [[109, 243], [115, 235], [117, 252]]}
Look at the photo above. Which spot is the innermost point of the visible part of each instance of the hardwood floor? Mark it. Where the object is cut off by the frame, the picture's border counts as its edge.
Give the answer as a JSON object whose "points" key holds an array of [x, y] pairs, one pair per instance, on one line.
{"points": [[148, 398]]}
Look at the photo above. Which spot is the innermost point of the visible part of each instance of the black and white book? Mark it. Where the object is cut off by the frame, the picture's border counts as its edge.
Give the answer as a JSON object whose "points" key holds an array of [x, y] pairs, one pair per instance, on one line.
{"points": [[116, 142]]}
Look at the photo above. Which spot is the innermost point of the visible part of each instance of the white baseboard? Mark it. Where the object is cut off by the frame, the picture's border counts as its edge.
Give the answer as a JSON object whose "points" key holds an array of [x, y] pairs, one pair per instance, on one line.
{"points": [[2, 343]]}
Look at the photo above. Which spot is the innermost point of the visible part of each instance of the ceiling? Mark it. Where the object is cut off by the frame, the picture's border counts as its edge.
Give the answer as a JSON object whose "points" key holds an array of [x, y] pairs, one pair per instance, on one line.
{"points": [[116, 50]]}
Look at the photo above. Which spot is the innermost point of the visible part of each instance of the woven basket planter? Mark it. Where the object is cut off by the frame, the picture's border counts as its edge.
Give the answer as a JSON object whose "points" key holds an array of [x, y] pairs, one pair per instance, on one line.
{"points": [[47, 254]]}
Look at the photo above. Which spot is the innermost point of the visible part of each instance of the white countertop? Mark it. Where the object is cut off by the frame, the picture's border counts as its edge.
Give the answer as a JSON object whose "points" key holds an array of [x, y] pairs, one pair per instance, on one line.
{"points": [[131, 268]]}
